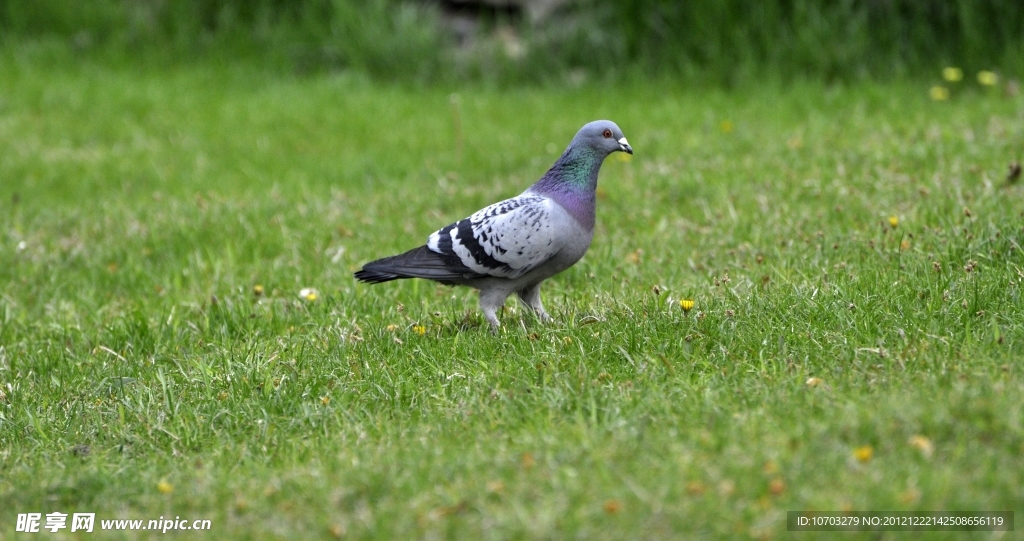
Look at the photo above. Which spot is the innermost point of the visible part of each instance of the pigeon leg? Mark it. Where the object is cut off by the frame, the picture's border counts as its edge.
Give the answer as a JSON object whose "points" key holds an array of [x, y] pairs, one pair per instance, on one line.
{"points": [[530, 296], [491, 300]]}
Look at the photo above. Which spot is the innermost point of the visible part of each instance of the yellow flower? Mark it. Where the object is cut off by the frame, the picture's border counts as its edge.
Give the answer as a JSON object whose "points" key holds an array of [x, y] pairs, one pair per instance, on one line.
{"points": [[309, 293], [164, 487], [686, 304], [864, 453], [939, 93], [257, 290], [726, 126], [419, 329], [923, 444], [910, 496], [894, 221], [392, 327], [988, 78], [952, 74]]}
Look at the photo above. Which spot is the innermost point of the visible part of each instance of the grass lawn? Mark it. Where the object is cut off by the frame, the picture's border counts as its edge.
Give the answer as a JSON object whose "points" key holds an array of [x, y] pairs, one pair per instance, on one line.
{"points": [[853, 253]]}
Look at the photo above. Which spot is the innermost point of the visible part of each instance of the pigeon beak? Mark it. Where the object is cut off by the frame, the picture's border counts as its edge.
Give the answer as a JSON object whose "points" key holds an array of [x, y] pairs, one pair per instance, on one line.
{"points": [[624, 146]]}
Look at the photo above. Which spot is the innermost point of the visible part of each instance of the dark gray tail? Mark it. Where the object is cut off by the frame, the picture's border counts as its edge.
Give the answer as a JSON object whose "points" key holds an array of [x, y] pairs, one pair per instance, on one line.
{"points": [[416, 263]]}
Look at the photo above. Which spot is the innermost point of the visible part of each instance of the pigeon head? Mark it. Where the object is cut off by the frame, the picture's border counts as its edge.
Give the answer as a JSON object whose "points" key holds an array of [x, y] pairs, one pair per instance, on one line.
{"points": [[603, 136], [577, 169]]}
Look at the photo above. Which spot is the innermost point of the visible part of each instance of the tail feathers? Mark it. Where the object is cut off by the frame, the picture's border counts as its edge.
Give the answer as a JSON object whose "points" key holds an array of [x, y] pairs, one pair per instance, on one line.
{"points": [[416, 263], [375, 277]]}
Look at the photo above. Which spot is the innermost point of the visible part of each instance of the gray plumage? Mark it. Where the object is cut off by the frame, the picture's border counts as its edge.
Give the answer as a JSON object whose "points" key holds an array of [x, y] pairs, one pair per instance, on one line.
{"points": [[514, 245]]}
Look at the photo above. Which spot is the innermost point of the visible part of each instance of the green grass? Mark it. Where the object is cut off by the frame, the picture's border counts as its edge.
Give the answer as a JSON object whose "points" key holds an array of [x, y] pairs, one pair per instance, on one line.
{"points": [[138, 210], [724, 42]]}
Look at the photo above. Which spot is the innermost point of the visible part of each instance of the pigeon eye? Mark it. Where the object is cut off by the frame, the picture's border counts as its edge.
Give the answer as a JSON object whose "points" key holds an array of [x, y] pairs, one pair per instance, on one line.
{"points": [[607, 134]]}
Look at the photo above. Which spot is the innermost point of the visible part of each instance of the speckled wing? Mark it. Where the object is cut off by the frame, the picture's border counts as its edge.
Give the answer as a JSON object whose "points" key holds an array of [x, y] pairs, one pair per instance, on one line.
{"points": [[506, 240]]}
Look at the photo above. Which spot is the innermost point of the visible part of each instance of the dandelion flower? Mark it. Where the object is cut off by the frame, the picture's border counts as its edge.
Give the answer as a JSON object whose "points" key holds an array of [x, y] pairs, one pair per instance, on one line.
{"points": [[392, 327], [939, 93], [894, 221], [164, 487], [419, 329], [686, 304], [952, 74], [309, 293], [257, 290], [988, 78], [910, 496], [864, 453], [923, 444]]}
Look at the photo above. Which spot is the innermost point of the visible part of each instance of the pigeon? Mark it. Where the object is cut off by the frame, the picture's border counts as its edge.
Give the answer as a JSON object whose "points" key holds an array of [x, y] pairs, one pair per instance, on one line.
{"points": [[514, 245]]}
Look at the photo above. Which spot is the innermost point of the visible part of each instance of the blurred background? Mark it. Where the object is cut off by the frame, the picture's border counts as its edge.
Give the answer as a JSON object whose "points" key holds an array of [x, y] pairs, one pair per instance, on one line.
{"points": [[719, 42]]}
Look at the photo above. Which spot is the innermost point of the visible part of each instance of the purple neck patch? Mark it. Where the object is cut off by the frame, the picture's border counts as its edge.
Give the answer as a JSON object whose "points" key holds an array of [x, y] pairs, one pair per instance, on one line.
{"points": [[572, 183]]}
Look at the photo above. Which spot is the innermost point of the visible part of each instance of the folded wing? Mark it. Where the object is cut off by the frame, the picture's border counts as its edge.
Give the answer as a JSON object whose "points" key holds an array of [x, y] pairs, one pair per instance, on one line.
{"points": [[507, 239]]}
